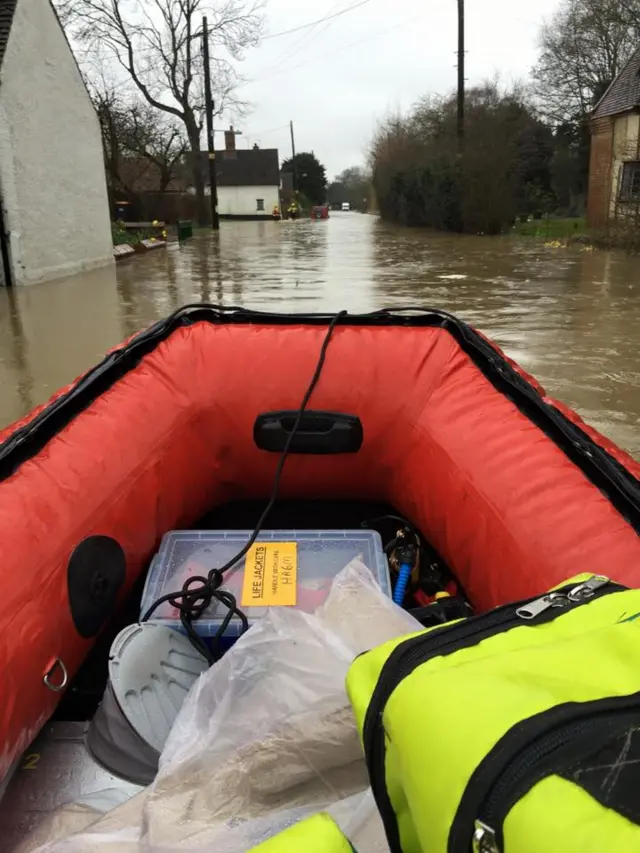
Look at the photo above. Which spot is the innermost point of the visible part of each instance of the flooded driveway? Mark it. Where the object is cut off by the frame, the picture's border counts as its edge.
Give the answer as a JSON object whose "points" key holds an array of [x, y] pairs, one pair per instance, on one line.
{"points": [[570, 316]]}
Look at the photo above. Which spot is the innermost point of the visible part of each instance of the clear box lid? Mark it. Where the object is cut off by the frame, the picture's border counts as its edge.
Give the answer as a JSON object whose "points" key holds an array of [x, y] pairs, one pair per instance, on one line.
{"points": [[284, 567]]}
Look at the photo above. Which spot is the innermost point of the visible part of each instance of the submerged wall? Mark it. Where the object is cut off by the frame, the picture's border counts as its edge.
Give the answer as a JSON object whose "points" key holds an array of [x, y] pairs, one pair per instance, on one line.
{"points": [[599, 198], [243, 201], [51, 166]]}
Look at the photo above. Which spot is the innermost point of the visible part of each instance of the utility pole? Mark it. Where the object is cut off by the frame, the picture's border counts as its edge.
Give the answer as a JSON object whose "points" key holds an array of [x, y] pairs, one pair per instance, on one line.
{"points": [[460, 69], [209, 107], [293, 161]]}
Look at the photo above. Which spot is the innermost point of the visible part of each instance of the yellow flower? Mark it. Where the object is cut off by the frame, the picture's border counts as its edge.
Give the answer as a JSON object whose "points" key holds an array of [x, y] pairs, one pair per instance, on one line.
{"points": [[164, 234], [155, 222]]}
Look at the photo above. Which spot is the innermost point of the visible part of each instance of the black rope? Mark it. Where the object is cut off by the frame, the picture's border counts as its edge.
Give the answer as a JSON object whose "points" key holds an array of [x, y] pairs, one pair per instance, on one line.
{"points": [[198, 592]]}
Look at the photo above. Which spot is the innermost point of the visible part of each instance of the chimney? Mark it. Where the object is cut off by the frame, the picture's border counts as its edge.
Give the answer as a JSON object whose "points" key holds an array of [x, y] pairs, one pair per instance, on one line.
{"points": [[230, 139]]}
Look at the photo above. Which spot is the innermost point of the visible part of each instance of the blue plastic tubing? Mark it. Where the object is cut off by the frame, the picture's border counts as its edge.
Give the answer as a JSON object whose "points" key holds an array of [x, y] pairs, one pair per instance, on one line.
{"points": [[402, 583]]}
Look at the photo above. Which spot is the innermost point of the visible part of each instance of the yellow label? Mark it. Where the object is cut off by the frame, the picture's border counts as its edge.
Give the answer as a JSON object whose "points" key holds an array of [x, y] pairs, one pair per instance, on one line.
{"points": [[270, 574]]}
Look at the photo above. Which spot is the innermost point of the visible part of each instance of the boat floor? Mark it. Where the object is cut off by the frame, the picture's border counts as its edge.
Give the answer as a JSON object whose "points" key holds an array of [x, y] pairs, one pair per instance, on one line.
{"points": [[57, 770]]}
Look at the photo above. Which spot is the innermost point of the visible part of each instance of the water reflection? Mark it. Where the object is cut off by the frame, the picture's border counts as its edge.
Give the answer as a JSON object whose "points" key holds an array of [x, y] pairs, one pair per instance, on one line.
{"points": [[571, 317], [15, 358]]}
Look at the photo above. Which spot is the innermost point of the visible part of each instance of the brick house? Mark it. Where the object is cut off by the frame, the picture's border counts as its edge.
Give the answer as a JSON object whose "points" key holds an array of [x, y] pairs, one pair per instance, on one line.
{"points": [[614, 168], [140, 192]]}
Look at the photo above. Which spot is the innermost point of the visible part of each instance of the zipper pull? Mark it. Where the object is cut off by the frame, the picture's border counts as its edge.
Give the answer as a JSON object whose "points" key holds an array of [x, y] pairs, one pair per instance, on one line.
{"points": [[535, 608], [588, 588], [484, 839]]}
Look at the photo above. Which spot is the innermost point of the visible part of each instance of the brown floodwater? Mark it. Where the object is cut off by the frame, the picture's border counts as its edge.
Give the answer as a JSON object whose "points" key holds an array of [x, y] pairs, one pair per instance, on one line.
{"points": [[569, 316]]}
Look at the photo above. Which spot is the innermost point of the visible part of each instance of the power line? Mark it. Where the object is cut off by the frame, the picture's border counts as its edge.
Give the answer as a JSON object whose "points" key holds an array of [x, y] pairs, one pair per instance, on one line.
{"points": [[333, 52], [307, 38], [315, 23], [266, 132], [257, 137], [152, 49], [530, 23]]}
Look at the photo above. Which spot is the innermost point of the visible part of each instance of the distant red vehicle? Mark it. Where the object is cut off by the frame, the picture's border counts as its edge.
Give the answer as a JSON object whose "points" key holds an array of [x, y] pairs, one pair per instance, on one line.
{"points": [[320, 211]]}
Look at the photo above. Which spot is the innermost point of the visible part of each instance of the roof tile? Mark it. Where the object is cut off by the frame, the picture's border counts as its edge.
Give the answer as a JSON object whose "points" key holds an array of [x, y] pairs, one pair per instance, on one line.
{"points": [[246, 168], [624, 93]]}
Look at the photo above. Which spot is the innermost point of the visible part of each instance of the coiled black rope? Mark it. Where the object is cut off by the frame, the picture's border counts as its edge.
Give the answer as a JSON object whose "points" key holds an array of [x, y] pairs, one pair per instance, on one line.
{"points": [[198, 592]]}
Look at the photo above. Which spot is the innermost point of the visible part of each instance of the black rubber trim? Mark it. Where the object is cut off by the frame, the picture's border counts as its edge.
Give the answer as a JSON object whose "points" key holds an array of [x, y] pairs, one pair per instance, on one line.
{"points": [[606, 473]]}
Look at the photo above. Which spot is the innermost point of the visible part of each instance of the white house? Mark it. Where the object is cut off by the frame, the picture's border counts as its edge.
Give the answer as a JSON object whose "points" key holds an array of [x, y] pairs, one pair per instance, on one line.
{"points": [[248, 180], [54, 213]]}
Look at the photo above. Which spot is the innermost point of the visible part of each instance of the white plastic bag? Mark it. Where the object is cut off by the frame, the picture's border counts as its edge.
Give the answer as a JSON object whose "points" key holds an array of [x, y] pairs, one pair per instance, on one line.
{"points": [[265, 737], [356, 816]]}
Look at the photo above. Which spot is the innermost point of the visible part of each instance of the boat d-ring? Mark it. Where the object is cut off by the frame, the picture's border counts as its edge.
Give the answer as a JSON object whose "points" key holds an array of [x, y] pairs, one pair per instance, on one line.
{"points": [[51, 681]]}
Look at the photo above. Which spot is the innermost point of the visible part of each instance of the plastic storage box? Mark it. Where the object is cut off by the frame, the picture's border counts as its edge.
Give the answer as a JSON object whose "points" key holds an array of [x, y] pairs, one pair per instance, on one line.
{"points": [[284, 567]]}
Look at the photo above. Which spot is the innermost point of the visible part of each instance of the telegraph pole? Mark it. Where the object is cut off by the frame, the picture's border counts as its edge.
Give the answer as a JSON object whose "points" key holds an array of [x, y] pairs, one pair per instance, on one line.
{"points": [[460, 69], [293, 154], [209, 107]]}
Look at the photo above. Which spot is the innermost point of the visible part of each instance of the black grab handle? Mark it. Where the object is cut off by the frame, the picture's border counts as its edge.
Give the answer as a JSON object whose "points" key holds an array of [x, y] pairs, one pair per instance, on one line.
{"points": [[318, 432]]}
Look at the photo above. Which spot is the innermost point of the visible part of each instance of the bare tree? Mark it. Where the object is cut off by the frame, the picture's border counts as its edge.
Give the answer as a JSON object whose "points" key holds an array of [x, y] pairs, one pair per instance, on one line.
{"points": [[353, 186], [583, 48], [157, 43], [138, 141], [66, 12], [159, 140]]}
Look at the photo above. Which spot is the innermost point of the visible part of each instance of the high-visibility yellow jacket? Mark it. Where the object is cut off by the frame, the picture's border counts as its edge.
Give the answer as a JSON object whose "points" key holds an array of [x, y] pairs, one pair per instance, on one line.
{"points": [[517, 731], [317, 834]]}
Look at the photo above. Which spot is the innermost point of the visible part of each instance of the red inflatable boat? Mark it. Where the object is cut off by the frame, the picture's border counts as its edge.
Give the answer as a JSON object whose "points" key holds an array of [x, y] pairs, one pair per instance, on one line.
{"points": [[412, 409]]}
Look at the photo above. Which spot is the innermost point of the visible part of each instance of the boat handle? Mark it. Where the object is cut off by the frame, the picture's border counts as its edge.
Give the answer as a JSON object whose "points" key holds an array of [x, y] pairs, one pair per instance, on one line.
{"points": [[56, 686], [317, 432]]}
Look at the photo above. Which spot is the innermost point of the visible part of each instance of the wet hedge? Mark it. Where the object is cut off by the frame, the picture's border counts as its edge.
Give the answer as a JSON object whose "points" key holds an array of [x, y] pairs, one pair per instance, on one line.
{"points": [[424, 175]]}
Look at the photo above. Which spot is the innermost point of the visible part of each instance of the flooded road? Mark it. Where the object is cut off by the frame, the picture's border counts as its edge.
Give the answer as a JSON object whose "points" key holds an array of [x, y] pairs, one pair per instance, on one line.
{"points": [[570, 316]]}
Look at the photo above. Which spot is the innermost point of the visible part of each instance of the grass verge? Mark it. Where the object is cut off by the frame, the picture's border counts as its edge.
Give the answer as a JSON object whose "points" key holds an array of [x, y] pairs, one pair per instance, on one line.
{"points": [[550, 228]]}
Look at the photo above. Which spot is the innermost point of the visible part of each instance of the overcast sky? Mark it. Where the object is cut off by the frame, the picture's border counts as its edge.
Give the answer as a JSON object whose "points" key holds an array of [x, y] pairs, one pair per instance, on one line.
{"points": [[337, 79]]}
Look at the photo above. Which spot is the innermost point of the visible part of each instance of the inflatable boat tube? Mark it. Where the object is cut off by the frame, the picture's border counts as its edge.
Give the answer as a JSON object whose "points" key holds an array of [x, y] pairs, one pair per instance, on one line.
{"points": [[511, 487]]}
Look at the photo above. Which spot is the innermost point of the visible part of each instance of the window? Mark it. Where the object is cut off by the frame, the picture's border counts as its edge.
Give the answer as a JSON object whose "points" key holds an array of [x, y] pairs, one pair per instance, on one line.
{"points": [[630, 182], [260, 203]]}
